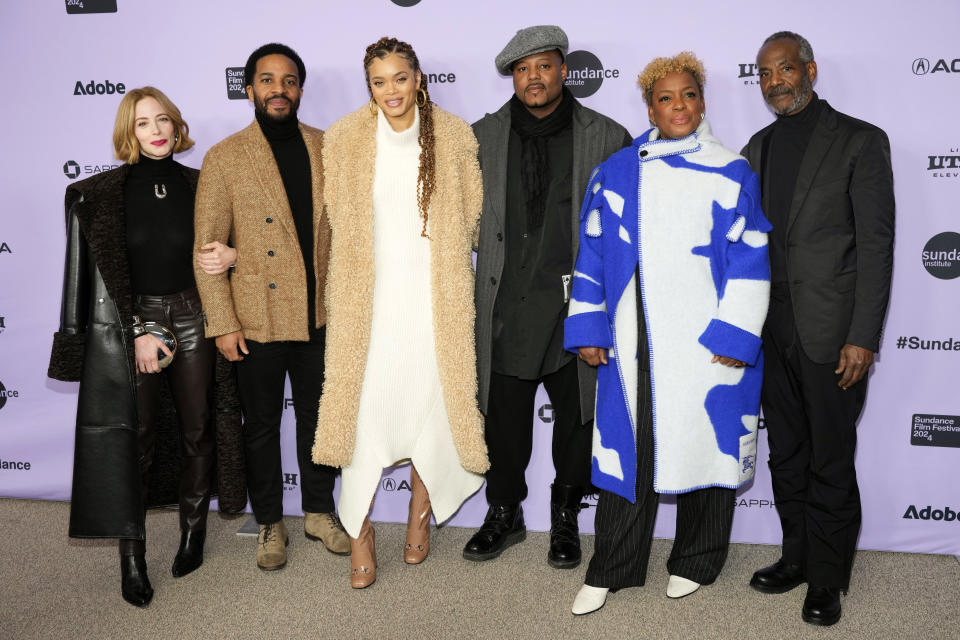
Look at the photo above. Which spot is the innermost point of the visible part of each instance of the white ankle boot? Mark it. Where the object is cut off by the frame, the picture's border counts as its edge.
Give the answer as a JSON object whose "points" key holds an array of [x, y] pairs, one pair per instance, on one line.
{"points": [[678, 587], [589, 599]]}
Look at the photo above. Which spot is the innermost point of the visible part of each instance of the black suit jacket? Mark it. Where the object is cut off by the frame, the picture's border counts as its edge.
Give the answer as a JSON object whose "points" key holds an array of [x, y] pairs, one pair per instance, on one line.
{"points": [[839, 242]]}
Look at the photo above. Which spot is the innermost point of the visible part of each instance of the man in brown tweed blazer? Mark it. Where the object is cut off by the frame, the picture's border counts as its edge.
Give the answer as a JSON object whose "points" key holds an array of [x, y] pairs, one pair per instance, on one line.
{"points": [[261, 190]]}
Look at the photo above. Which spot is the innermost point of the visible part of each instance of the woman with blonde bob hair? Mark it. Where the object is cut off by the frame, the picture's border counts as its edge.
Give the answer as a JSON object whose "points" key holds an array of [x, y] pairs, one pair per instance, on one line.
{"points": [[128, 287], [669, 297]]}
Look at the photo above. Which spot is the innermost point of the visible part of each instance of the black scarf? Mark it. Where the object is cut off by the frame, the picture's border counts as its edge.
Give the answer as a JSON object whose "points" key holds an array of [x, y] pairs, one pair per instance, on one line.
{"points": [[535, 166]]}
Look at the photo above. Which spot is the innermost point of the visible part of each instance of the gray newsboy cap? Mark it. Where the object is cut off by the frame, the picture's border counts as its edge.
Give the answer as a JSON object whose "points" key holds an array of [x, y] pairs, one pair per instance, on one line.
{"points": [[529, 41]]}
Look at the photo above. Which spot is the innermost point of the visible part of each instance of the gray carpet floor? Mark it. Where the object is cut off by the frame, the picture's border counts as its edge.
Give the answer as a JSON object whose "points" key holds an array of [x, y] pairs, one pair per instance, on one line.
{"points": [[53, 587]]}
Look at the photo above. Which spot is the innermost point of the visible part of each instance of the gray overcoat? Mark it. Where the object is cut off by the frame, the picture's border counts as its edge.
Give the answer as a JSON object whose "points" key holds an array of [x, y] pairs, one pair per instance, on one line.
{"points": [[595, 138]]}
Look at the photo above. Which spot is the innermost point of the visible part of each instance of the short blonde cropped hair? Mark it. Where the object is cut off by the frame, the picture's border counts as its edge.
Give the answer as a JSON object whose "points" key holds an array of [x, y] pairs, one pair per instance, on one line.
{"points": [[658, 68], [125, 143]]}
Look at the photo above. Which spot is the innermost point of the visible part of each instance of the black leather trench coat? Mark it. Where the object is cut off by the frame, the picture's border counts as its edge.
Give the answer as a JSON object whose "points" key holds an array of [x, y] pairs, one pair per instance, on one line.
{"points": [[94, 347]]}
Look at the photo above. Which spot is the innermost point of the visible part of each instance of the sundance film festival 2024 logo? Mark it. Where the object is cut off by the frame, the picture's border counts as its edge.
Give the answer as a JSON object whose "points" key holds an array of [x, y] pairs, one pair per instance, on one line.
{"points": [[91, 6], [585, 73], [236, 84], [7, 394], [941, 255], [931, 430]]}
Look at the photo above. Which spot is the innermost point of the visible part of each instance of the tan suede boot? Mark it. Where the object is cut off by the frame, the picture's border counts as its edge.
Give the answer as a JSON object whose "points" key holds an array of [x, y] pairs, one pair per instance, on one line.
{"points": [[418, 521], [363, 557], [326, 528], [272, 546]]}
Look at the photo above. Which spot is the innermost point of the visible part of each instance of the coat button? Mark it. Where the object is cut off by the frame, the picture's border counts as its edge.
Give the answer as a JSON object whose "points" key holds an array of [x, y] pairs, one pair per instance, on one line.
{"points": [[499, 236], [273, 285], [493, 280], [270, 253], [99, 300], [643, 154], [269, 220]]}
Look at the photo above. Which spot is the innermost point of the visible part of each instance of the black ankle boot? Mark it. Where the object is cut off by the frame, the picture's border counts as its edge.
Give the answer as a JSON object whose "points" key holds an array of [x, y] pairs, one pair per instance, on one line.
{"points": [[134, 583], [190, 554], [564, 528], [502, 527]]}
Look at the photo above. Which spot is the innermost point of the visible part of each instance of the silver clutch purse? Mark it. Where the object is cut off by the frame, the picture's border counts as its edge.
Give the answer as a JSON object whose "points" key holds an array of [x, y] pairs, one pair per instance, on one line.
{"points": [[165, 336]]}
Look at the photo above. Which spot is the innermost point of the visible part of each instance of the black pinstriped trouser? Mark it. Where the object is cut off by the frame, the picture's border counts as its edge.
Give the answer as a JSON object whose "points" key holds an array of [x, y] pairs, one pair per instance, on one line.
{"points": [[624, 531]]}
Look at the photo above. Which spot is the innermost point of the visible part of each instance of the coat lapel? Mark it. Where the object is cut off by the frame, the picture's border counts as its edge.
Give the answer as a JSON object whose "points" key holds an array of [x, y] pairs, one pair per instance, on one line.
{"points": [[260, 157], [585, 147], [820, 142], [497, 167], [316, 174]]}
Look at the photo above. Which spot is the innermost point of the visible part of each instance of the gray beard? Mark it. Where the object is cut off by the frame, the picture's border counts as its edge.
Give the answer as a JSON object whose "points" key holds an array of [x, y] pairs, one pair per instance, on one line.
{"points": [[800, 99]]}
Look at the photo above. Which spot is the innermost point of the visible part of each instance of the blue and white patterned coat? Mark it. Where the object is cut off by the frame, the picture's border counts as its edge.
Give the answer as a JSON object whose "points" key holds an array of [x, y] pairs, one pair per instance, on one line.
{"points": [[687, 212]]}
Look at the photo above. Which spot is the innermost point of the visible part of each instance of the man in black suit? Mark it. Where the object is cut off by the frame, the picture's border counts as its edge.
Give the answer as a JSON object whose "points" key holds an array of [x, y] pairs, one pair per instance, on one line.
{"points": [[828, 191]]}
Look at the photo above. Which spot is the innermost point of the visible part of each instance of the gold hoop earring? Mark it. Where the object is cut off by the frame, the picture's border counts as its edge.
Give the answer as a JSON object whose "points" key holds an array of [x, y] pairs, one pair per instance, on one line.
{"points": [[421, 97], [372, 105]]}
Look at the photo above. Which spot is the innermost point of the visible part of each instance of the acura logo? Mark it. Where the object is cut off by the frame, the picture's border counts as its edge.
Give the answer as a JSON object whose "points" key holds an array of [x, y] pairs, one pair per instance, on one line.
{"points": [[921, 66]]}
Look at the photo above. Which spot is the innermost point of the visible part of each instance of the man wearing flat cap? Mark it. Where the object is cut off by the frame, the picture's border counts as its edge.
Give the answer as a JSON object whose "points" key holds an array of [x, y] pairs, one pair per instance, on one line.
{"points": [[536, 153]]}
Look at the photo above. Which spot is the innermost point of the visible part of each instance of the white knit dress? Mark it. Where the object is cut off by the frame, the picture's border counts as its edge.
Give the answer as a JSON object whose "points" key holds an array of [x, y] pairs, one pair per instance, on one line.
{"points": [[402, 412]]}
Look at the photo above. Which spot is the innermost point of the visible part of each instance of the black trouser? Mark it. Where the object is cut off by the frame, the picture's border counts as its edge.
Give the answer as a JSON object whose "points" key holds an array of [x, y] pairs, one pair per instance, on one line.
{"points": [[509, 433], [260, 378], [812, 432], [191, 376], [624, 530]]}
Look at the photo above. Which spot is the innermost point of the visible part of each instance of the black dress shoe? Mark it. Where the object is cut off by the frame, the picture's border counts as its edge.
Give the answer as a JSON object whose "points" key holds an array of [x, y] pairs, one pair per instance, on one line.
{"points": [[502, 527], [564, 528], [190, 554], [134, 583], [779, 577], [821, 606]]}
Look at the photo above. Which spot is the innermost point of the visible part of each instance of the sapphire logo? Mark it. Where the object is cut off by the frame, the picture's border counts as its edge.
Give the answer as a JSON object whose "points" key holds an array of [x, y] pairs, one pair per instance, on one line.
{"points": [[71, 169], [585, 73], [929, 513], [91, 6], [6, 394], [236, 84], [74, 170], [941, 255], [546, 413], [5, 248], [94, 88], [754, 503], [923, 66]]}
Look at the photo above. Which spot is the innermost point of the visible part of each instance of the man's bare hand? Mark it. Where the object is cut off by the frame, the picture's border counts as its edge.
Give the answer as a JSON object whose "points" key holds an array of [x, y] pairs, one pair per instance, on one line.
{"points": [[593, 356], [854, 363], [216, 257], [229, 343]]}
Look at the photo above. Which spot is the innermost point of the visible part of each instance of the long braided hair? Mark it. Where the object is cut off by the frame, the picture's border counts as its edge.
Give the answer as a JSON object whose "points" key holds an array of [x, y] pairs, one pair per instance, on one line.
{"points": [[425, 179]]}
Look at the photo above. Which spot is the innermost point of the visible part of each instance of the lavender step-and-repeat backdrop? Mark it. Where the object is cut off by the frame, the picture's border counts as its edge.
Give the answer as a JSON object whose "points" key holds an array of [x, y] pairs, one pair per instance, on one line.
{"points": [[883, 61]]}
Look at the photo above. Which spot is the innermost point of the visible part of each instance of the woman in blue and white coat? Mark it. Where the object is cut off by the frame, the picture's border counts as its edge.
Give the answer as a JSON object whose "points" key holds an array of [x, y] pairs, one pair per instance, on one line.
{"points": [[669, 296]]}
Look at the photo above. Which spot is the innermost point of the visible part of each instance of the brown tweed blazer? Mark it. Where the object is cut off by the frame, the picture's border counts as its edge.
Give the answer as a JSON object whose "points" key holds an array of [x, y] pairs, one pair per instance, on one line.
{"points": [[241, 201]]}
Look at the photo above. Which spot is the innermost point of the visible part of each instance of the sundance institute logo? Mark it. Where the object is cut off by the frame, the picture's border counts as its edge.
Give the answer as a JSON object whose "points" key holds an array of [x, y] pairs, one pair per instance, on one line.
{"points": [[405, 3], [941, 255], [585, 73]]}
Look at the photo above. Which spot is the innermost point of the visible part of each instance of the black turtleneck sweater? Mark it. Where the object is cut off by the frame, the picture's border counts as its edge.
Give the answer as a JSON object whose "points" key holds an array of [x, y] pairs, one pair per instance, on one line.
{"points": [[788, 144], [159, 230], [293, 161]]}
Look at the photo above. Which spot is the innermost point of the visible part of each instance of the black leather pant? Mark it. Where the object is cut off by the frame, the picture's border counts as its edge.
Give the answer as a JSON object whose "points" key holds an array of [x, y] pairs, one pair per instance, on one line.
{"points": [[190, 376]]}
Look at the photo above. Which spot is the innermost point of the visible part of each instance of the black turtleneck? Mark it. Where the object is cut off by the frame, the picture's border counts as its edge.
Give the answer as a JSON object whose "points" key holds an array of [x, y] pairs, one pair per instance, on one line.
{"points": [[159, 230], [293, 161], [788, 143]]}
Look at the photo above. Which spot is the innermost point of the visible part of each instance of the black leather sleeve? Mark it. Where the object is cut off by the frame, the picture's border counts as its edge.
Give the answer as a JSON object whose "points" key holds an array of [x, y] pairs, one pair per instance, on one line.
{"points": [[66, 358]]}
